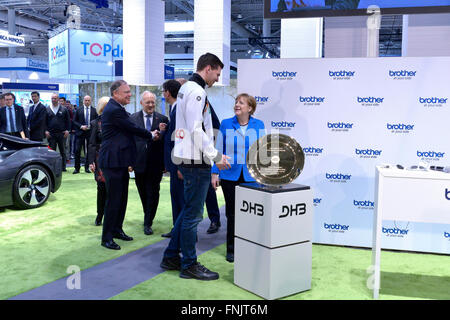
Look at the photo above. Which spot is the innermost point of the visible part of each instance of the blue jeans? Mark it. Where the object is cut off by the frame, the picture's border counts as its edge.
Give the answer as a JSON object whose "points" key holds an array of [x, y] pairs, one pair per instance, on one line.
{"points": [[184, 233]]}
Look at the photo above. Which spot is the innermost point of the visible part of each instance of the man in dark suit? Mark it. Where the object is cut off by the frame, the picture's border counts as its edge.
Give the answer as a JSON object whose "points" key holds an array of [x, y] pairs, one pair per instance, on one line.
{"points": [[58, 126], [12, 118], [117, 154], [149, 166], [170, 92], [37, 118], [81, 123]]}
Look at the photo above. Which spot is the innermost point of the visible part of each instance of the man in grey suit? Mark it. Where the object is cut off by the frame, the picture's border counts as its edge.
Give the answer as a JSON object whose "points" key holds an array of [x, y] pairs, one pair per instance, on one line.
{"points": [[149, 165]]}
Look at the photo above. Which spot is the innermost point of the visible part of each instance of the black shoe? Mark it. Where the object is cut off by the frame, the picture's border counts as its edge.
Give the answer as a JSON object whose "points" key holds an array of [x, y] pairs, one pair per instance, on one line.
{"points": [[98, 221], [167, 235], [213, 228], [148, 231], [87, 171], [111, 245], [64, 170], [230, 257], [173, 263], [122, 236], [75, 171], [198, 272]]}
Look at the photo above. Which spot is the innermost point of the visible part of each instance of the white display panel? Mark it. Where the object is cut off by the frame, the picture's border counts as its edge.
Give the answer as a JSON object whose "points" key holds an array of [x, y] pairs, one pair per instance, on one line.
{"points": [[350, 115]]}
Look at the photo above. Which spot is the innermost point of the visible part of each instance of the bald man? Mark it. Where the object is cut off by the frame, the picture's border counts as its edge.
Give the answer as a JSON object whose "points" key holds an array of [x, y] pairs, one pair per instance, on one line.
{"points": [[58, 126], [150, 157], [81, 123]]}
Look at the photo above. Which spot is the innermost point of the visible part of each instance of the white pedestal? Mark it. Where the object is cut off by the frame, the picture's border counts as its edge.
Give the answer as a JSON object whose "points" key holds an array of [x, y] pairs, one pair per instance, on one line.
{"points": [[273, 232]]}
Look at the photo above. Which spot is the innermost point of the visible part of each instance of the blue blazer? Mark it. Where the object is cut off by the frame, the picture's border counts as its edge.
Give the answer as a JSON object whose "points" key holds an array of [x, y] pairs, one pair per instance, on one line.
{"points": [[235, 144], [118, 148]]}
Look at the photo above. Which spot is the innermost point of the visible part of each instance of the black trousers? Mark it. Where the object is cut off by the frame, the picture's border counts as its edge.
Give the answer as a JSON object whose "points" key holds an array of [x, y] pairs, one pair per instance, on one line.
{"points": [[117, 180], [80, 143], [101, 199], [229, 193], [148, 183], [57, 139]]}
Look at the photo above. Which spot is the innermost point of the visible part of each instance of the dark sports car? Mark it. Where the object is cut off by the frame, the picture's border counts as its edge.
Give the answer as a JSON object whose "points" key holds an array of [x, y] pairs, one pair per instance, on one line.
{"points": [[29, 171]]}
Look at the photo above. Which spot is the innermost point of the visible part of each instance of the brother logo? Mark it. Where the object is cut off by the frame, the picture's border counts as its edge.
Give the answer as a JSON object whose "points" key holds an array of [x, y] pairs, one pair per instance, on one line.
{"points": [[284, 74], [312, 150], [402, 73], [335, 227], [400, 126], [340, 125], [369, 100], [364, 203], [255, 208], [430, 154], [261, 99], [368, 152], [447, 192], [282, 124], [312, 99], [446, 235], [395, 231], [338, 176], [298, 209], [433, 100], [342, 73], [317, 201]]}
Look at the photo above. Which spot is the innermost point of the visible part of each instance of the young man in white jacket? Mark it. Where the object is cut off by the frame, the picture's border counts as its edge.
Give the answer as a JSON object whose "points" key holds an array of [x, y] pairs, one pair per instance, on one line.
{"points": [[194, 152]]}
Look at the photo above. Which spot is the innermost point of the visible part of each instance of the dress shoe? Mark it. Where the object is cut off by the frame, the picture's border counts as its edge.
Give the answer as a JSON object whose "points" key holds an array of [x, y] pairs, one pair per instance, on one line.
{"points": [[76, 171], [173, 263], [230, 257], [122, 236], [110, 245], [98, 222], [87, 171], [198, 272], [64, 170], [167, 235], [213, 228], [148, 231]]}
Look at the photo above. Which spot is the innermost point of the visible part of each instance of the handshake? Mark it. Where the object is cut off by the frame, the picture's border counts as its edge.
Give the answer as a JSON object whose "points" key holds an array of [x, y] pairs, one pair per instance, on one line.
{"points": [[157, 133]]}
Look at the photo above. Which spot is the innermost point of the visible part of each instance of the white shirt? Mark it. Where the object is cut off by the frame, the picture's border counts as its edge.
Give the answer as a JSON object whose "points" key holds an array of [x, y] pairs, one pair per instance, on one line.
{"points": [[191, 142], [145, 120], [55, 109]]}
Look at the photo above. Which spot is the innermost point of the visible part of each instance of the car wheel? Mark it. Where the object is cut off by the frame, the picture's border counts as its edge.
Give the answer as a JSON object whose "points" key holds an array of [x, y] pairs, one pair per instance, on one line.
{"points": [[32, 187]]}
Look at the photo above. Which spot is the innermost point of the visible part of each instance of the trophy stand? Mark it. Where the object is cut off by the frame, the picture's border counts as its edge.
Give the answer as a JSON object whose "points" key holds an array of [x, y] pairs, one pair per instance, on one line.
{"points": [[273, 233]]}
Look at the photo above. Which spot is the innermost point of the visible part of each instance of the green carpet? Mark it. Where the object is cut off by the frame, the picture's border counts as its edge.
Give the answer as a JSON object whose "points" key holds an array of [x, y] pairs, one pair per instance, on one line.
{"points": [[37, 246]]}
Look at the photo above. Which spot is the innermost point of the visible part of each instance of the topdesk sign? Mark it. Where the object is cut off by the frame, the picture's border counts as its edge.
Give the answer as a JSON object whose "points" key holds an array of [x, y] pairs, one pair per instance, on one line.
{"points": [[88, 53]]}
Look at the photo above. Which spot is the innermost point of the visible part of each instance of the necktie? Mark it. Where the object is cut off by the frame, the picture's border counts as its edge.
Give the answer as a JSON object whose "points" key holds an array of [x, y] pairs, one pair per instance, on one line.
{"points": [[148, 124], [86, 117], [11, 120]]}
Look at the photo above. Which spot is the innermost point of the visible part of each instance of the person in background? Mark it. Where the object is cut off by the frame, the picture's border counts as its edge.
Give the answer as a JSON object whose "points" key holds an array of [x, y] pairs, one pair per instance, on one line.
{"points": [[237, 134], [2, 100], [95, 141], [12, 118], [170, 92], [58, 126], [149, 165], [81, 124], [37, 118]]}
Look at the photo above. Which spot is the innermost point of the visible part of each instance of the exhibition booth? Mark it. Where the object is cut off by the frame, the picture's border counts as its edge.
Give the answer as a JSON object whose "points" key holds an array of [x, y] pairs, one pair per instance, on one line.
{"points": [[372, 134]]}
